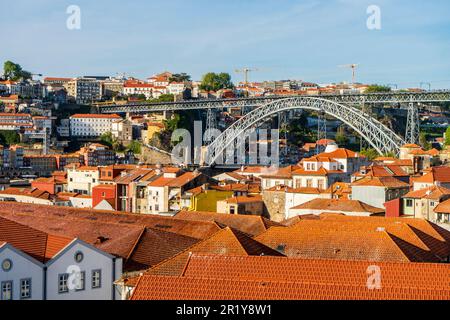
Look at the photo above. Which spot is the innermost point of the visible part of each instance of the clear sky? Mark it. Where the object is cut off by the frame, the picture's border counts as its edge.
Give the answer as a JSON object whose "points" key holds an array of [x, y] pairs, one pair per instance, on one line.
{"points": [[285, 39]]}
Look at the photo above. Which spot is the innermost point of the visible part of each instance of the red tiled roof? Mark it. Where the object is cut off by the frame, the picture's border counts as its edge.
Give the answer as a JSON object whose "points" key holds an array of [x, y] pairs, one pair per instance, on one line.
{"points": [[35, 193], [248, 224], [341, 205], [40, 245], [341, 153], [336, 272], [433, 192], [244, 199], [187, 288], [361, 238], [97, 116], [387, 182], [226, 241], [436, 174], [26, 212]]}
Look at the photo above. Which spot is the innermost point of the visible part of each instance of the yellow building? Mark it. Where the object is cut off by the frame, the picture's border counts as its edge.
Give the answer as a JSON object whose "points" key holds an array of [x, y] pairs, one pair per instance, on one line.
{"points": [[204, 198], [152, 128]]}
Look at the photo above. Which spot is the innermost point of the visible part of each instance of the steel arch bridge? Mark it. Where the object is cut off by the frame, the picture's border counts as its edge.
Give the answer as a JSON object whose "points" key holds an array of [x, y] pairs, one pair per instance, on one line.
{"points": [[380, 137]]}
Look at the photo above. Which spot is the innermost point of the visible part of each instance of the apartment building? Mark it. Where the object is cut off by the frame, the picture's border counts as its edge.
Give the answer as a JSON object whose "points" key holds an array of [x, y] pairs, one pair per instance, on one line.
{"points": [[122, 130], [96, 154], [83, 179], [138, 88], [112, 87], [46, 270], [12, 157], [91, 125], [84, 90]]}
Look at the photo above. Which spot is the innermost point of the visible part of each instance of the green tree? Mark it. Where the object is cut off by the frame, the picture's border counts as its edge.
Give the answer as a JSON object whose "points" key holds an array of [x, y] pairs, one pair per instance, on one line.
{"points": [[135, 147], [166, 98], [374, 88], [341, 138], [215, 82], [371, 154], [180, 77], [13, 71], [8, 137], [423, 141], [447, 137], [109, 140]]}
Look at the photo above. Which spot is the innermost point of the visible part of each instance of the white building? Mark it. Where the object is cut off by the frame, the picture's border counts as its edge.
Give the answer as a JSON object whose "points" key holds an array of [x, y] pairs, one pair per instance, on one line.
{"points": [[84, 90], [91, 125], [54, 267], [136, 88], [176, 88], [82, 180]]}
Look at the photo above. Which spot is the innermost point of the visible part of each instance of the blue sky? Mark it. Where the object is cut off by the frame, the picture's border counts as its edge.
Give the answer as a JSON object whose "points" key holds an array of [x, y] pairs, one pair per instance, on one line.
{"points": [[285, 39]]}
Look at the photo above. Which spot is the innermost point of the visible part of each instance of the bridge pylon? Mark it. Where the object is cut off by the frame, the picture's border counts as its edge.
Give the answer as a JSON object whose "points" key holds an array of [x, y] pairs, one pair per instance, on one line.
{"points": [[413, 124]]}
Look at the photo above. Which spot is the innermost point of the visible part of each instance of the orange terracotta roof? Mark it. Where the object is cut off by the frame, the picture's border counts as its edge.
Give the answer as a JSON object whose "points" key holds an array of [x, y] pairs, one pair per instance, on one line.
{"points": [[436, 174], [433, 192], [280, 173], [336, 272], [255, 169], [443, 207], [184, 179], [26, 212], [97, 116], [35, 193], [187, 288], [361, 238], [387, 182], [341, 153], [319, 172], [340, 189], [341, 205], [411, 146], [248, 224], [433, 152], [226, 241], [244, 199], [40, 245]]}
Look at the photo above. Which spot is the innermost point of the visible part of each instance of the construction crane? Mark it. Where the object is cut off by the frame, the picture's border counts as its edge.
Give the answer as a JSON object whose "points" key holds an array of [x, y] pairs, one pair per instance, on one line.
{"points": [[246, 72], [353, 67]]}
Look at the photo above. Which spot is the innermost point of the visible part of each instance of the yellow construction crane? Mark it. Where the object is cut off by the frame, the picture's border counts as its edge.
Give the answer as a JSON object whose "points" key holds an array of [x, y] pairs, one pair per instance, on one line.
{"points": [[353, 67], [246, 72]]}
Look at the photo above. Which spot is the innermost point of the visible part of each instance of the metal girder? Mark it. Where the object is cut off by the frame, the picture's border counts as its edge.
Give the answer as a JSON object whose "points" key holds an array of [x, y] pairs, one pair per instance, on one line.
{"points": [[388, 97], [413, 124], [380, 137]]}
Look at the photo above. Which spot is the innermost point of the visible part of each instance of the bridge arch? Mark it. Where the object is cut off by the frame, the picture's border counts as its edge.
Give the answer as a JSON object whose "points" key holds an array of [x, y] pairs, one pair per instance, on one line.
{"points": [[380, 137]]}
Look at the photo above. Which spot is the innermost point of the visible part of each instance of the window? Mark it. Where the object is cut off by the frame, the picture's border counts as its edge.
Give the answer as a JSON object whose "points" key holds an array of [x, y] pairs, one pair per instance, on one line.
{"points": [[309, 183], [320, 184], [96, 279], [7, 290], [25, 288], [62, 283], [6, 265], [81, 285], [78, 256]]}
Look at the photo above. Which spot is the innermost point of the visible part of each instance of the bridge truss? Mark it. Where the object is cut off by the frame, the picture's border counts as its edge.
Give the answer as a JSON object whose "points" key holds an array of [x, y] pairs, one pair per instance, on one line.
{"points": [[348, 99], [377, 135]]}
